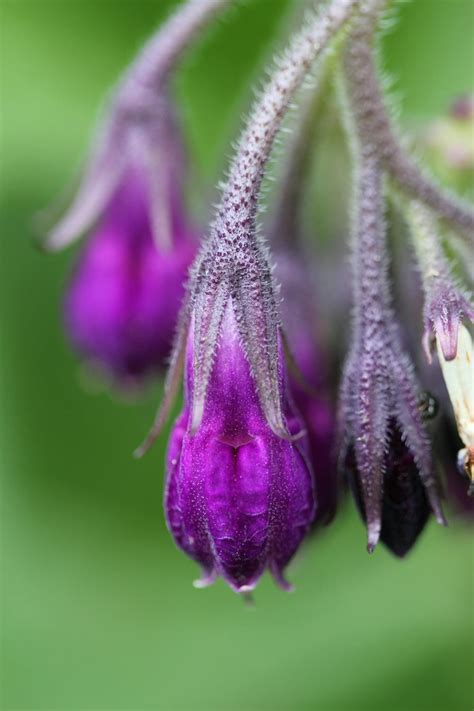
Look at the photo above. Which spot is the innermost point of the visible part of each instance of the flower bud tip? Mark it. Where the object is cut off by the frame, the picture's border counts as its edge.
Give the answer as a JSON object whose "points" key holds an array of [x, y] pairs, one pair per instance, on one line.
{"points": [[373, 535], [204, 582]]}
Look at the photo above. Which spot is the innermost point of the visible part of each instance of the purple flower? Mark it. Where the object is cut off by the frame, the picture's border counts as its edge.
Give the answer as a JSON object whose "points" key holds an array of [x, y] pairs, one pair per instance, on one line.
{"points": [[239, 498], [309, 385], [122, 303], [240, 491]]}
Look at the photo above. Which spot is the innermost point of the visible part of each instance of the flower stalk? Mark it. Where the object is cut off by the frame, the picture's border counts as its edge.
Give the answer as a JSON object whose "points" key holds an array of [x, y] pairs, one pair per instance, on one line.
{"points": [[138, 124], [375, 122], [385, 450]]}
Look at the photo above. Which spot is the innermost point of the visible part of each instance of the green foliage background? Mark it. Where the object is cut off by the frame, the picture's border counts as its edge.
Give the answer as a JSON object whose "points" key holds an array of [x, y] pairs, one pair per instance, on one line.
{"points": [[98, 611]]}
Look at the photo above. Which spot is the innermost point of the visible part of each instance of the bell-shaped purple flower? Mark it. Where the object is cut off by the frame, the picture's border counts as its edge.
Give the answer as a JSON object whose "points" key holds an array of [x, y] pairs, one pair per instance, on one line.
{"points": [[240, 491], [239, 498], [122, 303]]}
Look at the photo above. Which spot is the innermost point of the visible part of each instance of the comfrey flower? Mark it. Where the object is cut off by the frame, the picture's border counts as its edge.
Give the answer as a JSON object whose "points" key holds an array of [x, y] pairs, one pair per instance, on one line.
{"points": [[239, 498], [122, 304], [385, 450], [239, 487]]}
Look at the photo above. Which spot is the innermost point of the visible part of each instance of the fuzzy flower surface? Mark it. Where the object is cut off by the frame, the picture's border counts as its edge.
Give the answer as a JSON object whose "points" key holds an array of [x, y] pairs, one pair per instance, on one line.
{"points": [[122, 301], [239, 498]]}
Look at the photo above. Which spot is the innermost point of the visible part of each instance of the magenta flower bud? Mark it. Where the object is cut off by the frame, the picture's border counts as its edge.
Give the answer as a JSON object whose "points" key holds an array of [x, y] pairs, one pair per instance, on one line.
{"points": [[122, 303], [239, 498]]}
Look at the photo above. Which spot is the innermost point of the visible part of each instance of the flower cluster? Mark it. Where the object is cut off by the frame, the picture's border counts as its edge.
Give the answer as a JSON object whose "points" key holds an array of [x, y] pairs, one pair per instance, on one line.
{"points": [[258, 455]]}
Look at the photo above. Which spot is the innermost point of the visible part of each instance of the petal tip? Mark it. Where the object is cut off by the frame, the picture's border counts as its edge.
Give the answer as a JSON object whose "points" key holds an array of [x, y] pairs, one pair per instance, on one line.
{"points": [[280, 580], [207, 579], [373, 536]]}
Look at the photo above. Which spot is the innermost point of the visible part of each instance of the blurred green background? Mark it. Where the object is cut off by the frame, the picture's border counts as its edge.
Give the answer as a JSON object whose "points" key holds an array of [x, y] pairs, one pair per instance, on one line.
{"points": [[98, 611]]}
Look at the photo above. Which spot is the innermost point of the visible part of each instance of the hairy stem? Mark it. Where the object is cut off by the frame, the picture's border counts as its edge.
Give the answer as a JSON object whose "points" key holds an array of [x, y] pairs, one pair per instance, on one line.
{"points": [[138, 105], [237, 212], [369, 107], [159, 56]]}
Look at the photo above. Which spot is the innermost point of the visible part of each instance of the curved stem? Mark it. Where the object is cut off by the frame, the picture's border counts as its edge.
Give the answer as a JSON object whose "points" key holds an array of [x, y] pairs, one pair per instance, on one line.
{"points": [[237, 212], [367, 99], [159, 56]]}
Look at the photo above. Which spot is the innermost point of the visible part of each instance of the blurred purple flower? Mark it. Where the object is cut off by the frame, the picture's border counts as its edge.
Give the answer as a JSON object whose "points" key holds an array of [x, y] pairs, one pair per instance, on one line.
{"points": [[239, 498], [309, 386], [122, 303]]}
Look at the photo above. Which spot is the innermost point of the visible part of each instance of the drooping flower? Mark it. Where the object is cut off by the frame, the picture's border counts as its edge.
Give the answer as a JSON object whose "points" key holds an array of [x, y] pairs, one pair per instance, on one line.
{"points": [[239, 494], [123, 299], [405, 506], [385, 450], [122, 304], [239, 498]]}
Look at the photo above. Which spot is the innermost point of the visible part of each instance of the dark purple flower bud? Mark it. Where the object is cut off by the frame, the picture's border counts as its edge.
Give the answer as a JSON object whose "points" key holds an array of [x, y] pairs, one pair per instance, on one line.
{"points": [[239, 498], [405, 507], [122, 303]]}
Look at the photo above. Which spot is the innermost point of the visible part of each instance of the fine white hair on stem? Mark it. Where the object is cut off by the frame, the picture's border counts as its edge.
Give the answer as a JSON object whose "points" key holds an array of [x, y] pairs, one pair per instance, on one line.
{"points": [[368, 102]]}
